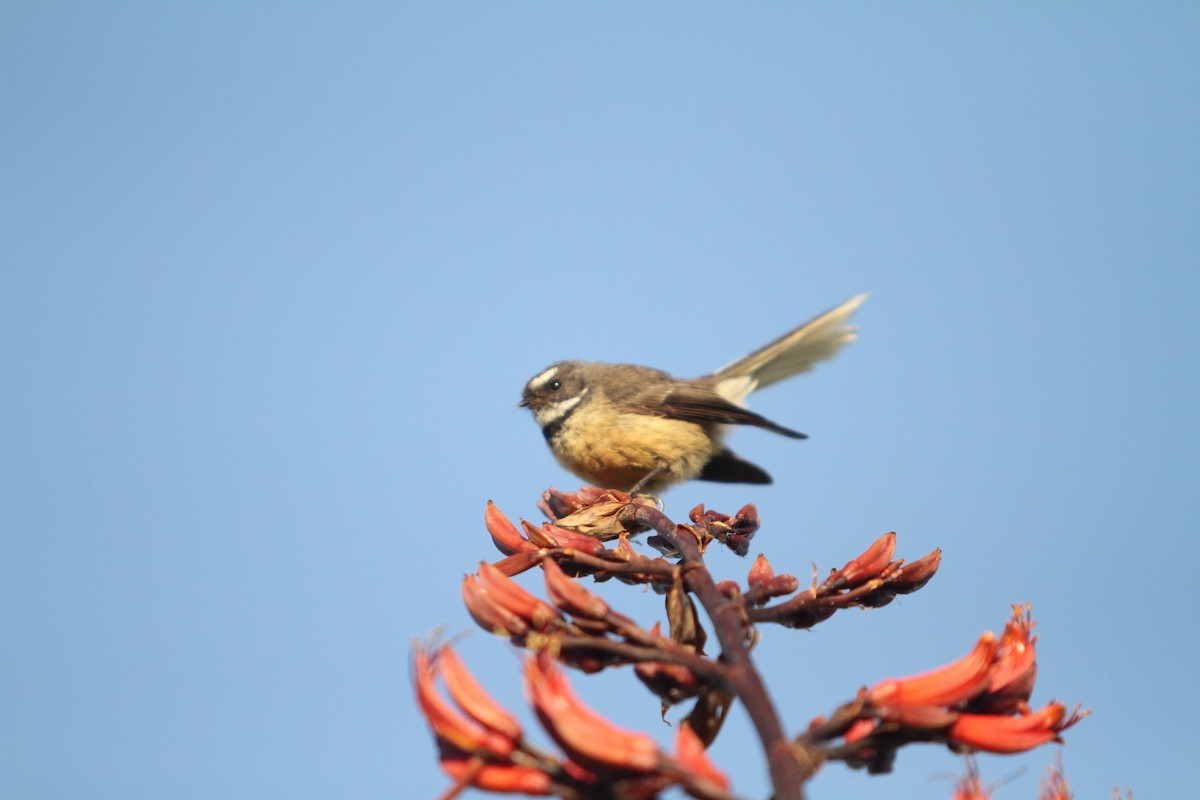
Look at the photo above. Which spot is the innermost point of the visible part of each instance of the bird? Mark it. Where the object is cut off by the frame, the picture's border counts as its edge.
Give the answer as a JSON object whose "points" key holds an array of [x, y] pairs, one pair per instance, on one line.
{"points": [[624, 425]]}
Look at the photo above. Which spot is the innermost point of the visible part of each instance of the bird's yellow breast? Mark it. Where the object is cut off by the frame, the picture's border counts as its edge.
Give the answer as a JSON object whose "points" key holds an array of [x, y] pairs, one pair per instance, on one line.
{"points": [[602, 445]]}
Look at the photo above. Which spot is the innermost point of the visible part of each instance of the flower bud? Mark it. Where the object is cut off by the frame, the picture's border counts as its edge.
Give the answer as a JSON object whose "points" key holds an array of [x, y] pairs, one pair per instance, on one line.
{"points": [[914, 575], [869, 565], [672, 683], [570, 596], [539, 615], [507, 538], [1015, 668], [488, 614]]}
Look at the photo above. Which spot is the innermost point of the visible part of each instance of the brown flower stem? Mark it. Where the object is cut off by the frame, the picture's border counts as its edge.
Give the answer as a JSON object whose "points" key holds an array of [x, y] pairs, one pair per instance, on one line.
{"points": [[812, 599], [838, 723], [715, 673], [649, 568], [728, 623], [463, 783]]}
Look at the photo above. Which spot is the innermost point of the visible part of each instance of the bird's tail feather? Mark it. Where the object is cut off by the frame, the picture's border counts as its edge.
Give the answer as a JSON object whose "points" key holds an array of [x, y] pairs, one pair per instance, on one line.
{"points": [[791, 354]]}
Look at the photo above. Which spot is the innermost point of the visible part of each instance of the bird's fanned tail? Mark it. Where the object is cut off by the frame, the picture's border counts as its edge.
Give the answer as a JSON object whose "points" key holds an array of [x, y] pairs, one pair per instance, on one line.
{"points": [[795, 352]]}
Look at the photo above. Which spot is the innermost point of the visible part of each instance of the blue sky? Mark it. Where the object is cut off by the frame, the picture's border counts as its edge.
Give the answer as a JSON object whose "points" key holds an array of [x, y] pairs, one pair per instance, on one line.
{"points": [[274, 276]]}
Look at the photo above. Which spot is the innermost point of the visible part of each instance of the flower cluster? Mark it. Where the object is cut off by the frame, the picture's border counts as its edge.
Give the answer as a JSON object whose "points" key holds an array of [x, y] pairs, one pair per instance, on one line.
{"points": [[583, 630], [482, 745], [871, 580], [977, 703]]}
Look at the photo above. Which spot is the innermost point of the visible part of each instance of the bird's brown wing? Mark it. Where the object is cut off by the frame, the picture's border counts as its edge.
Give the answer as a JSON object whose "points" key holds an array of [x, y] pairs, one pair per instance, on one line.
{"points": [[692, 403]]}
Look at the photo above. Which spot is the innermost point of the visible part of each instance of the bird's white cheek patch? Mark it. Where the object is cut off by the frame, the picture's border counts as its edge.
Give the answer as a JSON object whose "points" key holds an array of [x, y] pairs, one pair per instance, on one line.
{"points": [[553, 412], [540, 380]]}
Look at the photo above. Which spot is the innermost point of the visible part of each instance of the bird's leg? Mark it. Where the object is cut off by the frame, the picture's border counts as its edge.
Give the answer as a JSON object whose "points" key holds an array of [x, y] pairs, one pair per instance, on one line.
{"points": [[650, 476]]}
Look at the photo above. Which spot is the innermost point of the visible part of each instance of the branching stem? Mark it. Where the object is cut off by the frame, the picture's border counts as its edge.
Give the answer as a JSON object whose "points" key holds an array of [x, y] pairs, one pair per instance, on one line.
{"points": [[729, 622]]}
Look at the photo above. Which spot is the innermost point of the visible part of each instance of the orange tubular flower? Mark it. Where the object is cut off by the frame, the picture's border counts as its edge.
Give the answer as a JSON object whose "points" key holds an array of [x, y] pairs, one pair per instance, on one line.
{"points": [[691, 755], [1015, 670], [490, 615], [506, 778], [507, 538], [449, 725], [971, 787], [996, 733], [860, 729], [585, 736], [538, 614], [570, 596], [519, 562], [471, 698], [945, 686]]}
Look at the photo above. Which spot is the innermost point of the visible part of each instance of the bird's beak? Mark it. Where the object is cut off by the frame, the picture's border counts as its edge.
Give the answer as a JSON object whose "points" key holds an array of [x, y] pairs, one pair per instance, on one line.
{"points": [[524, 403]]}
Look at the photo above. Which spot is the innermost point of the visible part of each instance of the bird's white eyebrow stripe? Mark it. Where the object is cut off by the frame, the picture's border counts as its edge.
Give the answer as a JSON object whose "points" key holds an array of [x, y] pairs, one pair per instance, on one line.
{"points": [[538, 381]]}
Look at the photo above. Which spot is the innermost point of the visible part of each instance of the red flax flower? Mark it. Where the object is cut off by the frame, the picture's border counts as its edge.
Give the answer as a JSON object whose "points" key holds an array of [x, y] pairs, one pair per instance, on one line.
{"points": [[504, 592], [1055, 786], [587, 738], [970, 786], [761, 572], [914, 575], [670, 682], [763, 584], [554, 536], [487, 613], [451, 725], [505, 778], [1015, 669], [476, 737], [505, 536], [998, 733], [945, 686], [472, 699], [867, 566], [691, 755], [979, 702], [996, 677], [572, 597]]}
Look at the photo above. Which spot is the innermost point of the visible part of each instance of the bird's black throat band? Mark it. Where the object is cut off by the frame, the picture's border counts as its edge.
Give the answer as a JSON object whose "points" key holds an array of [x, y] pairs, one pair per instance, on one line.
{"points": [[552, 429]]}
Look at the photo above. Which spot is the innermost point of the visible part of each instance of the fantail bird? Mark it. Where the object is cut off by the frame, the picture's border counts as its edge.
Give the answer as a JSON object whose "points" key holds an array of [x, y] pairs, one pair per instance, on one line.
{"points": [[621, 425]]}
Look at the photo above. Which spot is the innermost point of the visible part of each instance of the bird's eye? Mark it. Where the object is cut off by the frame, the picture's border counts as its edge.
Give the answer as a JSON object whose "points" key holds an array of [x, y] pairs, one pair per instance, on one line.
{"points": [[554, 385]]}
